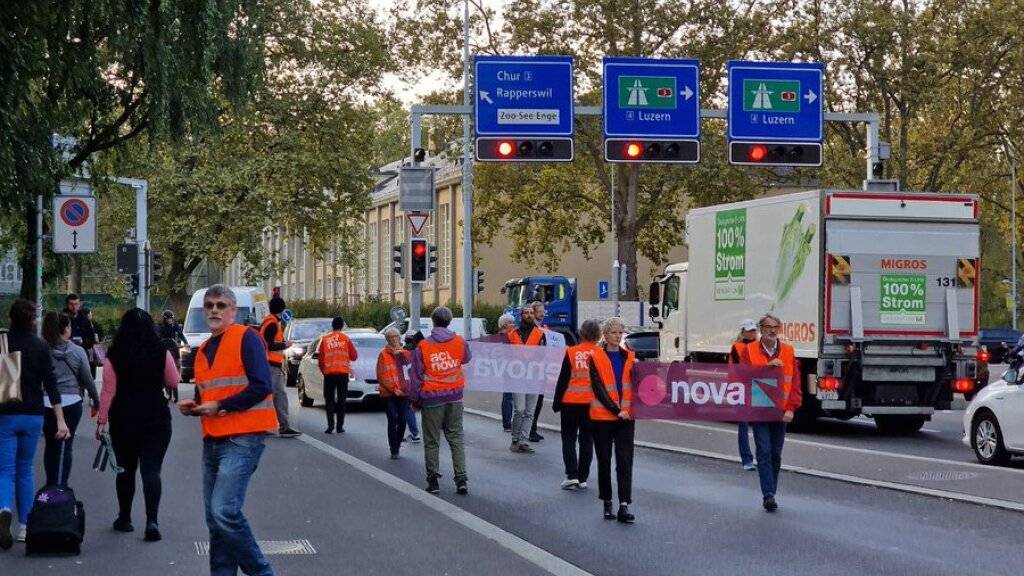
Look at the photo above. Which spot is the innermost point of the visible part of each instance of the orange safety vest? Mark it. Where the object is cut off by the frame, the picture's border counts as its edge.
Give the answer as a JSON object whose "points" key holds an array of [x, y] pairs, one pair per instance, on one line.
{"points": [[757, 357], [388, 376], [579, 390], [334, 358], [225, 379], [607, 374], [275, 357], [532, 340], [442, 365]]}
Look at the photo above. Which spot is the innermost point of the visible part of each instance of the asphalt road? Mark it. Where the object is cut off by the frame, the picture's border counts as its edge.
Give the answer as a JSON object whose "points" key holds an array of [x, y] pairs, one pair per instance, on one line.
{"points": [[363, 513]]}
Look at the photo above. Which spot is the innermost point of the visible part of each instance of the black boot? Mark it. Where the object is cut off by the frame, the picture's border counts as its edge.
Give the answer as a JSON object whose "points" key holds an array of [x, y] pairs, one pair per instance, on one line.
{"points": [[624, 516], [152, 532], [608, 514]]}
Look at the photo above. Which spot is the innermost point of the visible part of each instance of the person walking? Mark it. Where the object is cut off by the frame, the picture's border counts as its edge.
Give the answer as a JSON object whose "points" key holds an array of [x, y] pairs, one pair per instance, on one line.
{"points": [[21, 423], [236, 409], [335, 356], [437, 384], [506, 323], [611, 416], [74, 382], [138, 370], [273, 336], [392, 382], [528, 334], [173, 338], [83, 332], [769, 437], [748, 334], [539, 313], [573, 397]]}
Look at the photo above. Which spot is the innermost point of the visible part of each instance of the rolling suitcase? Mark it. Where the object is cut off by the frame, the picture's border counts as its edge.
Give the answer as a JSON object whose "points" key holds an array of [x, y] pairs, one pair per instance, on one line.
{"points": [[56, 524]]}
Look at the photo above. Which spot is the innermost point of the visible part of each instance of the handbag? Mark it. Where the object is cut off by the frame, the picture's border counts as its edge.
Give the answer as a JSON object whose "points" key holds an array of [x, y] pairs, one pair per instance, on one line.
{"points": [[10, 374]]}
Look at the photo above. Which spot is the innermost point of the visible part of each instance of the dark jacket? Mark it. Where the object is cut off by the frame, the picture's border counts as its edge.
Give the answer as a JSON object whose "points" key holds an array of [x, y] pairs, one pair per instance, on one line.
{"points": [[564, 375], [37, 374], [81, 327]]}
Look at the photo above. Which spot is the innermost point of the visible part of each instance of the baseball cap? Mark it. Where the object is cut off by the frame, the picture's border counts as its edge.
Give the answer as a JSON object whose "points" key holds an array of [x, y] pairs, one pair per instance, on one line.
{"points": [[748, 324]]}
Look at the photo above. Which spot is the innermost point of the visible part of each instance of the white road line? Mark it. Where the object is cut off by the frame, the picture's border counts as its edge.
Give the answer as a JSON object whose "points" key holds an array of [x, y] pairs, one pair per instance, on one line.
{"points": [[529, 552], [910, 488]]}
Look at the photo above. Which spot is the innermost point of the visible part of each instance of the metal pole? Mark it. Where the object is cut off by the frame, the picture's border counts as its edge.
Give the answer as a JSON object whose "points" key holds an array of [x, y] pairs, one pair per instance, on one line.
{"points": [[39, 265], [872, 145], [415, 288], [613, 284], [1013, 253], [467, 187], [142, 240]]}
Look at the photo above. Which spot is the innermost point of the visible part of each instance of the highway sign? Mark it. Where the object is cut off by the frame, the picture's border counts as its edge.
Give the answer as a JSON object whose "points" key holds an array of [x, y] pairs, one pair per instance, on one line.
{"points": [[651, 98], [523, 95], [74, 224], [776, 101]]}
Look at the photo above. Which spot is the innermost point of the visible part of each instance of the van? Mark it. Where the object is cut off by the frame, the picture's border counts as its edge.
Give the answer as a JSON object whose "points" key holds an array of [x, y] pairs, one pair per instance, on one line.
{"points": [[252, 308]]}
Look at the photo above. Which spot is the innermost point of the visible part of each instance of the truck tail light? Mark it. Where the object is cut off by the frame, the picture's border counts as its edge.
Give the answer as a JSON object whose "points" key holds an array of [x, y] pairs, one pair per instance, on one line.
{"points": [[983, 355], [922, 345], [830, 384], [963, 385]]}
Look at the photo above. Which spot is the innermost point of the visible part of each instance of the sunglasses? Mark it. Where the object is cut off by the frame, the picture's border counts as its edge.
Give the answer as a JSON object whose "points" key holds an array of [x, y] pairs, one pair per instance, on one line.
{"points": [[217, 305]]}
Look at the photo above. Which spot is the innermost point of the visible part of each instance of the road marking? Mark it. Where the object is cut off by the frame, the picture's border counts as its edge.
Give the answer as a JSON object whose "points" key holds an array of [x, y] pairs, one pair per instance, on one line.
{"points": [[529, 552], [957, 496]]}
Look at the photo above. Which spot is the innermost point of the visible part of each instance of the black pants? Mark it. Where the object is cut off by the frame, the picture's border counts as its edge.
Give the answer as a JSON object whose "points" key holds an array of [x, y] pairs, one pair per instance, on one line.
{"points": [[51, 452], [335, 392], [536, 415], [617, 435], [395, 407], [139, 449], [576, 428]]}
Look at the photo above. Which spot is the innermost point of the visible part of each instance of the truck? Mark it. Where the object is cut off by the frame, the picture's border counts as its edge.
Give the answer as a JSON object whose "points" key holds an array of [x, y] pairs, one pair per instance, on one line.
{"points": [[559, 295], [876, 291]]}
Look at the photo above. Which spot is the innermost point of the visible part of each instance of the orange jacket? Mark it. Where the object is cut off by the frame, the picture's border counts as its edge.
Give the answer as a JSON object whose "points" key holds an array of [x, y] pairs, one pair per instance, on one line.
{"points": [[225, 379], [532, 340], [389, 372], [605, 380], [754, 354], [442, 365], [276, 357], [579, 390], [336, 354]]}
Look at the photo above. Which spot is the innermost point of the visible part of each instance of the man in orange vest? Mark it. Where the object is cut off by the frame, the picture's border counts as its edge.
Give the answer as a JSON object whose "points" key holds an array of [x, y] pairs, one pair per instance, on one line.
{"points": [[528, 334], [236, 409], [336, 355], [769, 437], [539, 313], [437, 384], [273, 336], [573, 396]]}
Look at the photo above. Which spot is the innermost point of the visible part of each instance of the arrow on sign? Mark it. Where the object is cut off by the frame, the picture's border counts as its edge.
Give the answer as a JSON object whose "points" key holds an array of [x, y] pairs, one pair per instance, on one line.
{"points": [[486, 97], [810, 96], [686, 92], [416, 222], [74, 239]]}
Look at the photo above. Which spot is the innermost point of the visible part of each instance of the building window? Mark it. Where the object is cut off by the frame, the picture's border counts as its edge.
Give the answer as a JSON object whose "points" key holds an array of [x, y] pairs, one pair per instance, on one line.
{"points": [[444, 244], [373, 247]]}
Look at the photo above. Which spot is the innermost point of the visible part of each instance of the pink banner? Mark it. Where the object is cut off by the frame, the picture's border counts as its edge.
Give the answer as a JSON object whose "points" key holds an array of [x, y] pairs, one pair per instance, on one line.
{"points": [[507, 368], [717, 392]]}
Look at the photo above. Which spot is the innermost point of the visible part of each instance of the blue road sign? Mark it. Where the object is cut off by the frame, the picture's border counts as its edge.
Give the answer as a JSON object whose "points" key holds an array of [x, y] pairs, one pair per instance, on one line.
{"points": [[523, 95], [602, 289], [651, 98], [776, 101]]}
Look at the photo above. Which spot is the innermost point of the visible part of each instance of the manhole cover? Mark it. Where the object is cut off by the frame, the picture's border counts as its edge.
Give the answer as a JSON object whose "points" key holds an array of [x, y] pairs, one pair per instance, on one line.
{"points": [[269, 547], [943, 475]]}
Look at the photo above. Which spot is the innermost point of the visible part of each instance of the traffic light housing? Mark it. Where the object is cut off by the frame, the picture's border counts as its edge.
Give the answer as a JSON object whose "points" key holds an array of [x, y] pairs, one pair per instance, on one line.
{"points": [[418, 258], [432, 259], [156, 267], [131, 281], [397, 258], [478, 280], [775, 153], [652, 151], [524, 149]]}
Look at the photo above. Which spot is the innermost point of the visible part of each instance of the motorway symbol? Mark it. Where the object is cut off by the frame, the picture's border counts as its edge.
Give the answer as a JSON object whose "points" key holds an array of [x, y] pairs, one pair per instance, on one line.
{"points": [[74, 224], [776, 101], [651, 98], [524, 95]]}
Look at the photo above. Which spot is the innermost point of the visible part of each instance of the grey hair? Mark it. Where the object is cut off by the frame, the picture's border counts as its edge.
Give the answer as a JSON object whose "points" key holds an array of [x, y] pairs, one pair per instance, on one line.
{"points": [[506, 320], [769, 316], [611, 324], [391, 331], [441, 317], [590, 331], [221, 291], [536, 304]]}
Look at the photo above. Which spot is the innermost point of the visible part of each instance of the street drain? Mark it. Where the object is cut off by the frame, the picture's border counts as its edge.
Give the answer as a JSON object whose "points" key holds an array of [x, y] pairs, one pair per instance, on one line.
{"points": [[269, 547], [943, 475]]}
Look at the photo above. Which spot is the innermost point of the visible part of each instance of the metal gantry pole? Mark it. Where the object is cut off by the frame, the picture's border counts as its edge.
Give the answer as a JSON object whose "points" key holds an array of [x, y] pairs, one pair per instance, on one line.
{"points": [[613, 284], [415, 288], [467, 187], [39, 265], [1013, 233]]}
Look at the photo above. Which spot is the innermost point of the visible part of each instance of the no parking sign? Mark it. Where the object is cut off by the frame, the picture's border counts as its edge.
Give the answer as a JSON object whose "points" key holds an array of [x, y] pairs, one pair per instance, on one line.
{"points": [[74, 224]]}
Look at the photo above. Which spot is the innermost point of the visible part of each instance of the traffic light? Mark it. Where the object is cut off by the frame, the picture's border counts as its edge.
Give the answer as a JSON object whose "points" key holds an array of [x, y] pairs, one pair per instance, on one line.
{"points": [[419, 155], [652, 151], [397, 259], [478, 280], [432, 260], [418, 258], [156, 267], [524, 149], [131, 281], [775, 153]]}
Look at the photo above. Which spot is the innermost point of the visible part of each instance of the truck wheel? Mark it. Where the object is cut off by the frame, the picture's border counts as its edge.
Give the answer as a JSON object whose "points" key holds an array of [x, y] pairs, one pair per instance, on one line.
{"points": [[899, 425], [987, 440]]}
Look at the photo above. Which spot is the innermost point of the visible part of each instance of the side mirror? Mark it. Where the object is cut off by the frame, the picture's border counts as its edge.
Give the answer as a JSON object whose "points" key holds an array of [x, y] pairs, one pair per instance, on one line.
{"points": [[654, 295], [314, 355], [653, 312], [1010, 376]]}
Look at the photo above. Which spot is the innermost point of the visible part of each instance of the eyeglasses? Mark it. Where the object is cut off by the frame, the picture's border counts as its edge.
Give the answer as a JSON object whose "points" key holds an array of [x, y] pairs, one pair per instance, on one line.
{"points": [[218, 305]]}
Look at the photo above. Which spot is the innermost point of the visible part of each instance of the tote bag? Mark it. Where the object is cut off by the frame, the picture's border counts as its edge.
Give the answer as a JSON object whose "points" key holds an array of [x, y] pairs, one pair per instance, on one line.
{"points": [[10, 374]]}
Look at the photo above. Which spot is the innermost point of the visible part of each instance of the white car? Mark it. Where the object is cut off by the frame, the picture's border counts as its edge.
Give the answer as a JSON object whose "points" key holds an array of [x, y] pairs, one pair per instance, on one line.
{"points": [[362, 383], [994, 420]]}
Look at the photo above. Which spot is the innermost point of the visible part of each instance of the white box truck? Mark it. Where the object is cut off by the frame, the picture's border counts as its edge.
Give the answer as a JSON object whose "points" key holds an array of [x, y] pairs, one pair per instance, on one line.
{"points": [[877, 293]]}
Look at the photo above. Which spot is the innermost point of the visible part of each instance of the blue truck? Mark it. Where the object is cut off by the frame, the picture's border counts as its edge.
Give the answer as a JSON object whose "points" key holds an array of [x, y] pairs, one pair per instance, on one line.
{"points": [[559, 295]]}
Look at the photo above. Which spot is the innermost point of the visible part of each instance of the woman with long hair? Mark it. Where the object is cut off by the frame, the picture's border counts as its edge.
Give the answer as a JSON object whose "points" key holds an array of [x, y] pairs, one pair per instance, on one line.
{"points": [[137, 370]]}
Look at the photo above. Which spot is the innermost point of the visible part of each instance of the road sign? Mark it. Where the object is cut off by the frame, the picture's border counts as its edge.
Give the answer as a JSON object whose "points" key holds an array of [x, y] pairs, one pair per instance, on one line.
{"points": [[602, 289], [416, 189], [74, 224], [416, 222], [651, 98], [523, 95], [776, 101]]}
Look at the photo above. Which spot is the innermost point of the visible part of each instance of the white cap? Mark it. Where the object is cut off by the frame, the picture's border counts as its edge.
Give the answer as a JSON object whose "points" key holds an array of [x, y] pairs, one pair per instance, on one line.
{"points": [[748, 324]]}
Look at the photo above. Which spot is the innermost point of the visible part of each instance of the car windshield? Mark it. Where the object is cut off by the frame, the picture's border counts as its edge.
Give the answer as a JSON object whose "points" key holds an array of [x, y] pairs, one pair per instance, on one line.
{"points": [[309, 329], [195, 321], [643, 341], [368, 347]]}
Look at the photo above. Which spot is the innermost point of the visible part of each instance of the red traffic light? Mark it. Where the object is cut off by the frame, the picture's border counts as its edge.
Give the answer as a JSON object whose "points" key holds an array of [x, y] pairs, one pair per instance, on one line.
{"points": [[633, 150], [505, 148], [757, 153], [419, 249]]}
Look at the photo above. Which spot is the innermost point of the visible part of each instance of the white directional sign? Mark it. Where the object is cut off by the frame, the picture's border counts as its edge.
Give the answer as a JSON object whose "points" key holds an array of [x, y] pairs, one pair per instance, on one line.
{"points": [[74, 224]]}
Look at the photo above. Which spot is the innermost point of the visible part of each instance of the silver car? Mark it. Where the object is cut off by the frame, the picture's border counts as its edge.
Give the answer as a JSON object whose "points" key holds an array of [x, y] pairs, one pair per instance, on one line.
{"points": [[301, 332], [362, 383]]}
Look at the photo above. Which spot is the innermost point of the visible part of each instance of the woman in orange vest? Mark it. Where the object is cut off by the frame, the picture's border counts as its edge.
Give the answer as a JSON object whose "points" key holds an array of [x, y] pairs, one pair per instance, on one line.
{"points": [[611, 417], [336, 354], [769, 437], [391, 379], [748, 334], [572, 399]]}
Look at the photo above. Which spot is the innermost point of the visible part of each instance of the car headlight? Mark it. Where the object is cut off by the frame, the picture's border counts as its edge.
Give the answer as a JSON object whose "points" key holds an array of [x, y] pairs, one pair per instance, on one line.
{"points": [[296, 350]]}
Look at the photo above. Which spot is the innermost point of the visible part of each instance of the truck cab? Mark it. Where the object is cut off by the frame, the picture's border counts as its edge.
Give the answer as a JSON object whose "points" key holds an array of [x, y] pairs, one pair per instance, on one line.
{"points": [[669, 311], [558, 293]]}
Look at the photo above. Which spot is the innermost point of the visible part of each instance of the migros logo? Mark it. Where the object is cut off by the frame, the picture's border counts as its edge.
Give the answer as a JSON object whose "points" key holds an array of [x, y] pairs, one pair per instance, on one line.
{"points": [[904, 264]]}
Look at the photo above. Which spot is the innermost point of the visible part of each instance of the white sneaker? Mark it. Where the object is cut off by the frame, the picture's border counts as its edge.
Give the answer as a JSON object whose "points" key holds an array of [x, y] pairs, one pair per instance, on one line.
{"points": [[751, 466], [22, 533], [582, 486], [412, 438], [570, 484]]}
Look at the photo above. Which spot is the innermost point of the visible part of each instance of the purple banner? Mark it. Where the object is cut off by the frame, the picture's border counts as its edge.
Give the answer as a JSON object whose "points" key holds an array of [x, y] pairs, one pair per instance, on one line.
{"points": [[718, 392]]}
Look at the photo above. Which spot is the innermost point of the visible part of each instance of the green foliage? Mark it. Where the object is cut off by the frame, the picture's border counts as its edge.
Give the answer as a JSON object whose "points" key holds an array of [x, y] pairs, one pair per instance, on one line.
{"points": [[377, 314]]}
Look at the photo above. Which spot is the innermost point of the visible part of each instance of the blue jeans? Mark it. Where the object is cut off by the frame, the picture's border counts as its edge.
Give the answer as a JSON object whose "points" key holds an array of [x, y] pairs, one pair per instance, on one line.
{"points": [[744, 442], [228, 464], [19, 435], [410, 419], [768, 440], [508, 407]]}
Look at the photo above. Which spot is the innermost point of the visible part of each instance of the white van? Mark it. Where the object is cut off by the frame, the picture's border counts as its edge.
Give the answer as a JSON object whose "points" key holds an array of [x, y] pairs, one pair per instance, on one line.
{"points": [[253, 307]]}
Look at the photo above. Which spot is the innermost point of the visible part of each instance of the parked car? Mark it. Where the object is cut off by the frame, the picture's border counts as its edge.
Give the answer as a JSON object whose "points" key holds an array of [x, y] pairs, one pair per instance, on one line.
{"points": [[301, 332], [644, 344], [993, 424], [362, 384], [999, 341], [252, 307]]}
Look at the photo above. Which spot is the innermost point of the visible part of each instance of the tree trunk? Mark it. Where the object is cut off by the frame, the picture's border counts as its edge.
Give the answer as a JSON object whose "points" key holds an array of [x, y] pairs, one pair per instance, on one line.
{"points": [[28, 257], [75, 275], [626, 183]]}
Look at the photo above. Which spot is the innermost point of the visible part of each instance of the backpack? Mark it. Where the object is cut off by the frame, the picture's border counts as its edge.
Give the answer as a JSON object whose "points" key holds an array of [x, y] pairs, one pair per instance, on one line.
{"points": [[56, 524]]}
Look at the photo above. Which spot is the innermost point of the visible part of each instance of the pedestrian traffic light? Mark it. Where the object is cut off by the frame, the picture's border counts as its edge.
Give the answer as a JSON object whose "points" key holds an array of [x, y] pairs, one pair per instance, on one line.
{"points": [[478, 280], [397, 259], [131, 282], [652, 151], [419, 155], [418, 258], [524, 149], [775, 153], [432, 260], [156, 267]]}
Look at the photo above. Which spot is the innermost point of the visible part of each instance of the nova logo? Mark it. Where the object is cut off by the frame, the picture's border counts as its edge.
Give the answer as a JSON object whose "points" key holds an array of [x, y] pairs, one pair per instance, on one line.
{"points": [[903, 264], [653, 391]]}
